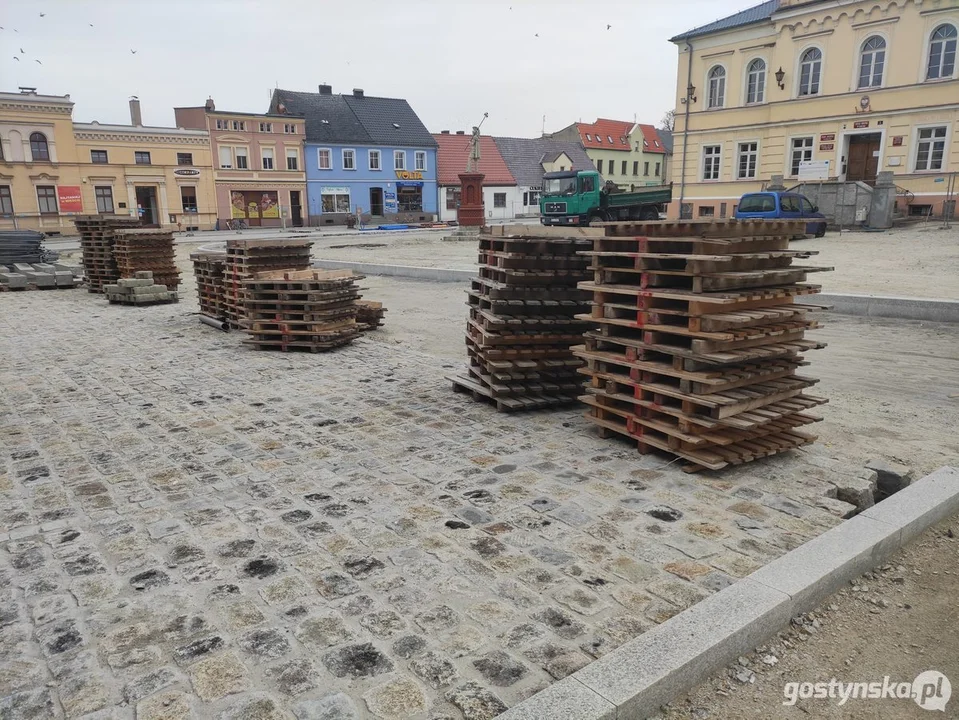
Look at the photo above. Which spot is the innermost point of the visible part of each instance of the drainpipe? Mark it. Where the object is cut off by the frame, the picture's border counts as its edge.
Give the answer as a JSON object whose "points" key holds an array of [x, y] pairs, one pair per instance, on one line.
{"points": [[689, 81]]}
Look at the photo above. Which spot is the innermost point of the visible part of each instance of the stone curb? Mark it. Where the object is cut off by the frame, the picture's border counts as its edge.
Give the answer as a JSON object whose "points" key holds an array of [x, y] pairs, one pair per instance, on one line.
{"points": [[900, 308], [635, 680]]}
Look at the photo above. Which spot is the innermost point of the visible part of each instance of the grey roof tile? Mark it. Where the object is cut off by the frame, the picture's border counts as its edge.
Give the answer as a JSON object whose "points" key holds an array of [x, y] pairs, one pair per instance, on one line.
{"points": [[381, 116], [524, 156], [755, 14]]}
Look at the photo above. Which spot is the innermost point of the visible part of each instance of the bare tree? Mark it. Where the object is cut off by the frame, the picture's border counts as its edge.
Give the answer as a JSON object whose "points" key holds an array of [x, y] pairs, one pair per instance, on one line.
{"points": [[669, 121]]}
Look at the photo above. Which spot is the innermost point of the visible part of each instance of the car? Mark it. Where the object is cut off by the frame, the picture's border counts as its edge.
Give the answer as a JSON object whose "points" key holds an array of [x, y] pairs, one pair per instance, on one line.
{"points": [[782, 206]]}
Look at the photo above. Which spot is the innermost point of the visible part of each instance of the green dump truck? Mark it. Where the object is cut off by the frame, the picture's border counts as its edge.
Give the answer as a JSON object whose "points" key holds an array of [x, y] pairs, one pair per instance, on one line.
{"points": [[579, 198]]}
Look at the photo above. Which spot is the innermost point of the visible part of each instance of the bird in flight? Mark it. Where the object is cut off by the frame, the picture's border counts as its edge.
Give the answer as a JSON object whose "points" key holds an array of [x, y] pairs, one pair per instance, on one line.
{"points": [[38, 62], [21, 51], [608, 27], [43, 14], [16, 58], [134, 52], [537, 34]]}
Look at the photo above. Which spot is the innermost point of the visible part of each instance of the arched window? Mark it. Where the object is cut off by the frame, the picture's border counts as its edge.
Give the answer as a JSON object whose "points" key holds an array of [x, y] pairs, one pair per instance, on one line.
{"points": [[38, 146], [756, 81], [942, 53], [810, 71], [717, 87], [872, 61]]}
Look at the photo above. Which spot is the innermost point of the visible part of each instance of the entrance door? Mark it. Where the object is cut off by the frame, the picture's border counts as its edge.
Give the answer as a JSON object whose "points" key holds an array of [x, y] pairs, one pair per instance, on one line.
{"points": [[147, 206], [863, 163], [376, 201], [296, 208]]}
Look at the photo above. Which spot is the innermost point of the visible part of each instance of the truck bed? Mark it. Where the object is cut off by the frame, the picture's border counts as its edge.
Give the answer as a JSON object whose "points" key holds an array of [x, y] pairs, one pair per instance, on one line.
{"points": [[649, 196]]}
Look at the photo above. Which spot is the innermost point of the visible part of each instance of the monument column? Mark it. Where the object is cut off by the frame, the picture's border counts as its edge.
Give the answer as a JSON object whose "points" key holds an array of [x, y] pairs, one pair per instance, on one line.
{"points": [[471, 212]]}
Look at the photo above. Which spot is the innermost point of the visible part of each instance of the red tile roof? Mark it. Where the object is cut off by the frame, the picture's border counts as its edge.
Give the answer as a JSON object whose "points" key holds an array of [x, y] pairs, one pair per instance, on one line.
{"points": [[652, 143], [454, 152], [605, 134]]}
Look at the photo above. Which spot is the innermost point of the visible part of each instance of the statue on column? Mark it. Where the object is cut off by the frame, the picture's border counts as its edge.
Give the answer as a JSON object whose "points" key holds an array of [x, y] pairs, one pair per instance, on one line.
{"points": [[472, 165]]}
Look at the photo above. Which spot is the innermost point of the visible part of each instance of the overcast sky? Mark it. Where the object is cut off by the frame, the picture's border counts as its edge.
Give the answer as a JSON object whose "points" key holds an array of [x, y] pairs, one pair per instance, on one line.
{"points": [[236, 51]]}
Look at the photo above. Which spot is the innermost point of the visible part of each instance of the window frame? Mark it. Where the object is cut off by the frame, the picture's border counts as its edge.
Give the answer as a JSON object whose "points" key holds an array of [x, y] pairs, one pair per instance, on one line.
{"points": [[336, 209], [635, 168], [266, 127], [180, 156], [237, 155], [219, 160], [138, 156], [763, 77], [499, 200], [872, 65], [658, 168], [718, 156], [740, 154], [379, 160], [53, 196], [352, 156], [645, 168], [196, 206], [399, 154], [39, 147], [293, 154], [329, 155], [927, 54], [624, 167], [722, 85], [799, 64], [6, 200], [452, 197], [238, 125], [106, 157], [289, 128], [272, 158], [791, 151], [946, 140], [97, 196], [417, 155]]}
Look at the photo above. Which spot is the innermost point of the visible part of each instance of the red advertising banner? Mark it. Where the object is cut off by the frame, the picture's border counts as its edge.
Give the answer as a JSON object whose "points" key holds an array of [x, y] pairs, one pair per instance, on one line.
{"points": [[69, 198]]}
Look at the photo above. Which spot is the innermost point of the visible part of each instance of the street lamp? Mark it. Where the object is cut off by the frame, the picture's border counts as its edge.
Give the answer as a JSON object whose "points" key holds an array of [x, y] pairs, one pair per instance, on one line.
{"points": [[690, 94], [779, 78]]}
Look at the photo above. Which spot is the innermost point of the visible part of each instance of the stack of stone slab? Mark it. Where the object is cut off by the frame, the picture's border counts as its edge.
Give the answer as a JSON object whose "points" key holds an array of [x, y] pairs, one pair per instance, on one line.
{"points": [[698, 339], [23, 246], [309, 310], [369, 315], [97, 235], [36, 276], [139, 290], [208, 269], [523, 320], [146, 249], [244, 258]]}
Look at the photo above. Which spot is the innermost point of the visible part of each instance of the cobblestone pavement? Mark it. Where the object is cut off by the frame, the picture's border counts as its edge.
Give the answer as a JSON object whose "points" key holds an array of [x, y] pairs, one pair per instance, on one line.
{"points": [[192, 529]]}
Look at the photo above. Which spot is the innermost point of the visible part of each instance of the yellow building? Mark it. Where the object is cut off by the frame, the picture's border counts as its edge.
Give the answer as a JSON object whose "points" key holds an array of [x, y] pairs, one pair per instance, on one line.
{"points": [[791, 85], [629, 154], [53, 169]]}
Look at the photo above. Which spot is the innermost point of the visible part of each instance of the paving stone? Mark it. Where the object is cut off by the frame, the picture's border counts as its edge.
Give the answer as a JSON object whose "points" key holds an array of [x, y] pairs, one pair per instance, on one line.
{"points": [[27, 705], [408, 646], [82, 694], [218, 676], [435, 669], [384, 623], [500, 669], [560, 622], [145, 685], [332, 585], [437, 618], [254, 706], [323, 631], [336, 706], [166, 706], [361, 660], [265, 643], [294, 677], [399, 698], [197, 649], [476, 702]]}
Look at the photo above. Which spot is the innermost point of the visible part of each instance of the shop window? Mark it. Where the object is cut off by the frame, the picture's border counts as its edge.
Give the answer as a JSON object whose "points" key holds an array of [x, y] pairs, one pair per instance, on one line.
{"points": [[184, 158], [324, 159], [930, 148], [39, 150], [292, 159], [707, 211], [349, 159], [801, 152], [452, 198], [188, 199], [409, 198], [942, 53], [266, 158], [47, 199], [499, 200], [399, 160], [419, 160], [335, 201], [104, 196], [374, 159], [6, 200], [141, 158], [98, 157]]}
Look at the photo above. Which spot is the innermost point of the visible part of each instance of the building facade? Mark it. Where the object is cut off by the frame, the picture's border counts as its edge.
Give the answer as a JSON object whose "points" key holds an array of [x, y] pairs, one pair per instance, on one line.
{"points": [[528, 159], [502, 198], [257, 164], [834, 89], [365, 156], [629, 154], [53, 168]]}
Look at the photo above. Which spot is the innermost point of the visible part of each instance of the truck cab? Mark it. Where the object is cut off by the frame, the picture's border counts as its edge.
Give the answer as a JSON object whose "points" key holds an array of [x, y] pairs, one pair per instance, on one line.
{"points": [[579, 197]]}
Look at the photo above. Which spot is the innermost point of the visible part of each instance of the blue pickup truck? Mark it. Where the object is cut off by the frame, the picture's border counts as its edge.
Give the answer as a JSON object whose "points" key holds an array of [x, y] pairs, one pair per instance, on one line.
{"points": [[782, 206]]}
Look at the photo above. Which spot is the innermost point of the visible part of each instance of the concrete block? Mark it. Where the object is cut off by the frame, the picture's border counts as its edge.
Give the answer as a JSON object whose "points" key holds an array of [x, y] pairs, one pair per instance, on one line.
{"points": [[134, 282], [568, 699], [150, 289], [63, 279], [859, 490], [40, 279], [111, 289], [143, 275], [892, 476], [14, 280], [651, 670], [817, 569], [922, 504], [43, 267], [23, 267]]}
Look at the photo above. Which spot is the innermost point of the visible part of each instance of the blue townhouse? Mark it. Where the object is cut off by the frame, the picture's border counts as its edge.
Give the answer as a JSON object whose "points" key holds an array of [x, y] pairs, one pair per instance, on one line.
{"points": [[363, 154]]}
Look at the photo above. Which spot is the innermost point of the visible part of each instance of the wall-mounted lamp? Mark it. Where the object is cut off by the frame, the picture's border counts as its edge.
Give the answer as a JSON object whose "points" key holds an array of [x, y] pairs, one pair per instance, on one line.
{"points": [[690, 95], [779, 78]]}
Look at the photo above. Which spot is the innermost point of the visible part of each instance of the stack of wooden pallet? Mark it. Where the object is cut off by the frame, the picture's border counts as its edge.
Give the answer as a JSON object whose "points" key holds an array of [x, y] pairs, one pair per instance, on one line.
{"points": [[698, 339], [97, 234], [244, 258], [208, 269], [311, 310], [369, 315], [147, 250], [523, 312]]}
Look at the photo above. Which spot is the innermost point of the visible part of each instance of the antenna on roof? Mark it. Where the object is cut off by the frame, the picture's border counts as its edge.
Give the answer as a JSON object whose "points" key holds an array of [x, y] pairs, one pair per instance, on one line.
{"points": [[544, 125]]}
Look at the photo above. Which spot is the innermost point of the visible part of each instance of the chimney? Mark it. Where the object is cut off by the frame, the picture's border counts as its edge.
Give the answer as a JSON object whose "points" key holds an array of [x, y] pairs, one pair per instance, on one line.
{"points": [[135, 118], [326, 89], [460, 132], [357, 92], [444, 132], [210, 105]]}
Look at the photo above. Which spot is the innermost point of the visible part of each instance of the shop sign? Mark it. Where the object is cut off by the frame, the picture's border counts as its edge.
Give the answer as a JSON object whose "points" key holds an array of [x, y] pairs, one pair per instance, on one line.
{"points": [[826, 137], [69, 198], [861, 124], [409, 175], [897, 140], [186, 171], [827, 146], [327, 190]]}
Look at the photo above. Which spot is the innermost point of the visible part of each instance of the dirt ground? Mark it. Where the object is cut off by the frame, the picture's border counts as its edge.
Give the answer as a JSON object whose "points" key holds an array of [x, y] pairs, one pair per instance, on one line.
{"points": [[911, 261], [898, 621]]}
